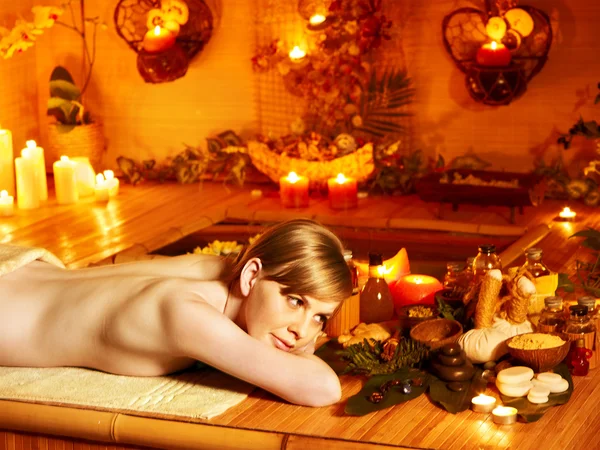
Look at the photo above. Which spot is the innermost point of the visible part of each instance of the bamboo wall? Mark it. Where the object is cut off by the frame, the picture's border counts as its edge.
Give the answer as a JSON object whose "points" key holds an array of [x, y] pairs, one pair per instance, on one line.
{"points": [[221, 92]]}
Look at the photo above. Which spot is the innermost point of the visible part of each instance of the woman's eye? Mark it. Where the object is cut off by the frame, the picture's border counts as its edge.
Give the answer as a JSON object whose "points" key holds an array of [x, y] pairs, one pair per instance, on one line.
{"points": [[321, 319], [295, 302]]}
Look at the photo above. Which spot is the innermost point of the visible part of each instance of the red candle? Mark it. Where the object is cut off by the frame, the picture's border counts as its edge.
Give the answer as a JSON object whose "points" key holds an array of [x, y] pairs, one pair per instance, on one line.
{"points": [[293, 191], [415, 289], [343, 193], [158, 40], [493, 54]]}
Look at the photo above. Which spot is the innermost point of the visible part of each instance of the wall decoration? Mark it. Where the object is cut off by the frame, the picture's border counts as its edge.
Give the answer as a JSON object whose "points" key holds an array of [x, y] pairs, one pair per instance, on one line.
{"points": [[500, 49], [166, 34]]}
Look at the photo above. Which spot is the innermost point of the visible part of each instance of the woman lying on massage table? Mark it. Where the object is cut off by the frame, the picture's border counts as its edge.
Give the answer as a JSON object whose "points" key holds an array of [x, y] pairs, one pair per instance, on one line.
{"points": [[256, 318]]}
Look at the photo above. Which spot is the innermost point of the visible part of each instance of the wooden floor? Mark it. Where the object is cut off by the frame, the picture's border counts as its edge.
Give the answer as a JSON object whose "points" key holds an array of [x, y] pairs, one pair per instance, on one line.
{"points": [[148, 217]]}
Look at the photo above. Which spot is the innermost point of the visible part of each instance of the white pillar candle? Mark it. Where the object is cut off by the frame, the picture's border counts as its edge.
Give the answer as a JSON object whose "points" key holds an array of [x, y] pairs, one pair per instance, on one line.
{"points": [[113, 183], [28, 193], [102, 190], [6, 204], [65, 181], [37, 153], [7, 168], [86, 177]]}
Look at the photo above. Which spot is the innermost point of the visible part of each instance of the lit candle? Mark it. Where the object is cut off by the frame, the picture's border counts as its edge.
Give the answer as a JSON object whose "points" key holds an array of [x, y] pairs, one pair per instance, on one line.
{"points": [[483, 403], [297, 54], [28, 193], [65, 181], [567, 214], [293, 191], [39, 161], [85, 175], [343, 193], [415, 289], [504, 415], [7, 170], [113, 183], [158, 40], [6, 204], [317, 19], [102, 190], [493, 54]]}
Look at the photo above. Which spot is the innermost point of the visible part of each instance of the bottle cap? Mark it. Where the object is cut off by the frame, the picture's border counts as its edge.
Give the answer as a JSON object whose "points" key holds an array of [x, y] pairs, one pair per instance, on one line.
{"points": [[587, 300], [553, 302], [578, 310], [487, 248], [534, 253], [375, 259]]}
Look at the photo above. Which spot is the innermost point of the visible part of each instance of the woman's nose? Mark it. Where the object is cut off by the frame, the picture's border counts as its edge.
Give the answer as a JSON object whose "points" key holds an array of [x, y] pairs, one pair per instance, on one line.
{"points": [[300, 326]]}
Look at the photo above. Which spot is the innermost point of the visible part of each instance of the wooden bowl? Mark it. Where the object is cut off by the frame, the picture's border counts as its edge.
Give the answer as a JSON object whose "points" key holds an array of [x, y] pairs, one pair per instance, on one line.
{"points": [[540, 360], [436, 332], [406, 321]]}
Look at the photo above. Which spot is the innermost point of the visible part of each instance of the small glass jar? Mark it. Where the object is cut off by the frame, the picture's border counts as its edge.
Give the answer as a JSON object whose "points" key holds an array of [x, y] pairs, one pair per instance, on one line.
{"points": [[552, 319], [579, 321], [487, 259], [534, 263], [376, 303], [590, 303], [451, 278]]}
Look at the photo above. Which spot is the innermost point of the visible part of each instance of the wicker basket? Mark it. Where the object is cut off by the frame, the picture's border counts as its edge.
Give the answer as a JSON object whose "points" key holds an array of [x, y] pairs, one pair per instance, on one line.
{"points": [[80, 140], [437, 332]]}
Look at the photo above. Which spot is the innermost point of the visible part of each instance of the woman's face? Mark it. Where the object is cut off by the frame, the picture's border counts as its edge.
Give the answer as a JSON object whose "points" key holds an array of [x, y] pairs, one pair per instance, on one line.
{"points": [[286, 321]]}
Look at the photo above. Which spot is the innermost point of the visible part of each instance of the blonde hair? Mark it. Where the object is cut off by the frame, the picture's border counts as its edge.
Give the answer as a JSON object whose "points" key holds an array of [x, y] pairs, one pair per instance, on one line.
{"points": [[303, 256]]}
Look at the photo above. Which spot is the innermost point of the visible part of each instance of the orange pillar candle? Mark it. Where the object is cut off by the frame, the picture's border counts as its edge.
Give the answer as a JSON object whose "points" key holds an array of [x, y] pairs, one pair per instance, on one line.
{"points": [[293, 191], [415, 289], [343, 193], [158, 40], [493, 54]]}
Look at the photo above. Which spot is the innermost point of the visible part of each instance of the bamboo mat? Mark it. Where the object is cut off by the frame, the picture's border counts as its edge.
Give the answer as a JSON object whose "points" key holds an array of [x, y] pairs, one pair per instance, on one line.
{"points": [[193, 394]]}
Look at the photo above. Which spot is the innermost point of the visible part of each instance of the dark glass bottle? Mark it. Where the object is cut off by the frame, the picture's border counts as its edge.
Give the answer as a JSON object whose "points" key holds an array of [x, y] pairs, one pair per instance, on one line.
{"points": [[534, 263], [376, 303], [552, 319], [486, 260], [579, 321]]}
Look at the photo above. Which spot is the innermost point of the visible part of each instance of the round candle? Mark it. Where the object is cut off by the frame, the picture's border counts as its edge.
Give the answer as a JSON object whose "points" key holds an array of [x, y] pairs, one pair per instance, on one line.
{"points": [[7, 168], [293, 191], [37, 153], [112, 182], [343, 193], [415, 289], [7, 203], [483, 403], [86, 177], [158, 40], [102, 189], [65, 181], [493, 54], [504, 415], [567, 214], [28, 194]]}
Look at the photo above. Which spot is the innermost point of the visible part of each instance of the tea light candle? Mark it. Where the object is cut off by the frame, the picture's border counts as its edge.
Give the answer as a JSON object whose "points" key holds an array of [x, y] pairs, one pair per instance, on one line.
{"points": [[7, 168], [415, 289], [28, 193], [85, 175], [102, 189], [493, 54], [343, 193], [504, 415], [293, 191], [567, 214], [113, 183], [65, 181], [7, 203], [158, 40], [483, 403], [39, 161], [297, 54], [316, 19]]}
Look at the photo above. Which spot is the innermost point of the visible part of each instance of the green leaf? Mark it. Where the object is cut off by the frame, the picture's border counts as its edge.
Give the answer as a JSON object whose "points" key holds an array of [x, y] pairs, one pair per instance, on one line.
{"points": [[64, 89], [59, 108], [455, 402], [359, 404], [60, 73], [565, 283], [531, 412]]}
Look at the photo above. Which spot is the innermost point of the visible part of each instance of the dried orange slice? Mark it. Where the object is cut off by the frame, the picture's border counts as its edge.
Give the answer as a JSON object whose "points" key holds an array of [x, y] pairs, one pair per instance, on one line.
{"points": [[496, 28]]}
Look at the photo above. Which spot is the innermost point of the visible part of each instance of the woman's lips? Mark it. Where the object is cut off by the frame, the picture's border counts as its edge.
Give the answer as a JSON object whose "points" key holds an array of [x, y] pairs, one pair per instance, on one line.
{"points": [[281, 345]]}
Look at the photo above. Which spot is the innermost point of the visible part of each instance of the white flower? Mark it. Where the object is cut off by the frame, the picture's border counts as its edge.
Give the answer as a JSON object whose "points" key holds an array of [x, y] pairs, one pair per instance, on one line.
{"points": [[45, 16]]}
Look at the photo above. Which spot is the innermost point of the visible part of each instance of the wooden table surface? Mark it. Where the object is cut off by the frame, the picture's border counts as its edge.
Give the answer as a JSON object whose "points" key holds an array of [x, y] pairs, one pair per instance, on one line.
{"points": [[147, 217]]}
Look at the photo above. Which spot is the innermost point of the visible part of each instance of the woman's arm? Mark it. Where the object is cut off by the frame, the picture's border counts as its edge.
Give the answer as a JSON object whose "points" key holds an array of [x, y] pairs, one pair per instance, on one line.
{"points": [[197, 330]]}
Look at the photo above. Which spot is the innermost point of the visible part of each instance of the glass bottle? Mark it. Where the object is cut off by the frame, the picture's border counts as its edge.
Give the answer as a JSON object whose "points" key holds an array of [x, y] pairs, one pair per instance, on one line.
{"points": [[451, 278], [578, 359], [589, 302], [534, 263], [552, 319], [376, 303], [353, 270], [579, 321], [486, 260], [348, 315]]}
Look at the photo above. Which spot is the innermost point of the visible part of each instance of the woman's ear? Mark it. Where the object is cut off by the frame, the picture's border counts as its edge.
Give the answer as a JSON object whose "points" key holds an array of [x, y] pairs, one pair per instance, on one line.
{"points": [[249, 275]]}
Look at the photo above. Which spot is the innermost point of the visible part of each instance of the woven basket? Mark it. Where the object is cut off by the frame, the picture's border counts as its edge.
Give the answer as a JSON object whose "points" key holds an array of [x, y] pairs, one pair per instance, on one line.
{"points": [[80, 140]]}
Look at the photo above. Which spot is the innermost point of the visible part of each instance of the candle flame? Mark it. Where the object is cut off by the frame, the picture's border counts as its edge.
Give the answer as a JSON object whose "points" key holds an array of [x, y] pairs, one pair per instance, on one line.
{"points": [[4, 194], [494, 45], [31, 144], [109, 174], [64, 158], [317, 19], [293, 177], [99, 178], [157, 30], [297, 53], [567, 213], [341, 179]]}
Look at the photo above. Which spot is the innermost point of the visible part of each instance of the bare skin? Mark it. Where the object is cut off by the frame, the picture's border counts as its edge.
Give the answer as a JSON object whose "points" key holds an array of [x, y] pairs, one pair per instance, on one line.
{"points": [[156, 317]]}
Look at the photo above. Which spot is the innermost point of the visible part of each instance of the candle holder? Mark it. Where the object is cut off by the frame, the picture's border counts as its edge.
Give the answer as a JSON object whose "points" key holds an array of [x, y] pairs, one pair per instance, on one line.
{"points": [[504, 415], [162, 67], [495, 86], [483, 403]]}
